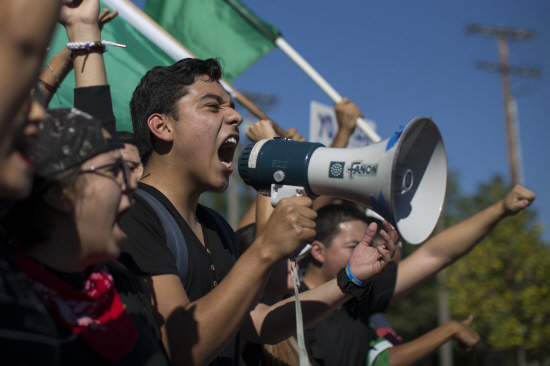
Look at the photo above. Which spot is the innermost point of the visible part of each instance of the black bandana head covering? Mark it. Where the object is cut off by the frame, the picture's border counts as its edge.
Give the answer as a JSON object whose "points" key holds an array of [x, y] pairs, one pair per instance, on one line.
{"points": [[66, 138]]}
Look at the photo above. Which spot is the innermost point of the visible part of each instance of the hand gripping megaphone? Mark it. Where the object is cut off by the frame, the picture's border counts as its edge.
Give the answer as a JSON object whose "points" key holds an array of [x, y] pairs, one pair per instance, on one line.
{"points": [[403, 178]]}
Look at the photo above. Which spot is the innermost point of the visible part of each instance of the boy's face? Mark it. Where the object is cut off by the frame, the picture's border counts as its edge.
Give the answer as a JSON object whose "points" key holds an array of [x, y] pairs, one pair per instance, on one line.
{"points": [[130, 155], [206, 135], [338, 253]]}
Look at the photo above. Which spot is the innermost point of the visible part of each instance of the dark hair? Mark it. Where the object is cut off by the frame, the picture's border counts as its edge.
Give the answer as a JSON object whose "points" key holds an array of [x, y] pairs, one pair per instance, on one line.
{"points": [[328, 219], [330, 216], [158, 92], [127, 137], [29, 221]]}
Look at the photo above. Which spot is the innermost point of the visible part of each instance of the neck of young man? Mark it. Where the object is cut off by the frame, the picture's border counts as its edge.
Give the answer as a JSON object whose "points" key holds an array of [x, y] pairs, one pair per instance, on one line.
{"points": [[181, 191]]}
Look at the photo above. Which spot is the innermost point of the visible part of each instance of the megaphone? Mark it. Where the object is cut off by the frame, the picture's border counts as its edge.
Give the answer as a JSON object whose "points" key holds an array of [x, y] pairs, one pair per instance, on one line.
{"points": [[403, 178]]}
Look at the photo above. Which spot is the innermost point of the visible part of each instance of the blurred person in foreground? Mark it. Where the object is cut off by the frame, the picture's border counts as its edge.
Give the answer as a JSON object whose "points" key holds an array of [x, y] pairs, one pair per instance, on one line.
{"points": [[26, 27]]}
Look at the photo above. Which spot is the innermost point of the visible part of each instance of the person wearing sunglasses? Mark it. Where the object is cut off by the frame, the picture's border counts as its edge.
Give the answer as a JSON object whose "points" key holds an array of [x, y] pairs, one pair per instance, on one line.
{"points": [[65, 238]]}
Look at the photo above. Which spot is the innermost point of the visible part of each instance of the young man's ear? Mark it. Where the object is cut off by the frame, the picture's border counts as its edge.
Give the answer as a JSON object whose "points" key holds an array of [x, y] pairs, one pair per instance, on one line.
{"points": [[160, 126], [318, 251]]}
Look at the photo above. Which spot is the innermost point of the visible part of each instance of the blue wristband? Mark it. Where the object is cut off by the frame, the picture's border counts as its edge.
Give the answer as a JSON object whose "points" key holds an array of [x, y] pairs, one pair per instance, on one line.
{"points": [[352, 278]]}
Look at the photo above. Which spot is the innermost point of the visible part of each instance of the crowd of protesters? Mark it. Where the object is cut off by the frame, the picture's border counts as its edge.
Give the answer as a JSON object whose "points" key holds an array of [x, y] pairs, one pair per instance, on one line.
{"points": [[107, 256]]}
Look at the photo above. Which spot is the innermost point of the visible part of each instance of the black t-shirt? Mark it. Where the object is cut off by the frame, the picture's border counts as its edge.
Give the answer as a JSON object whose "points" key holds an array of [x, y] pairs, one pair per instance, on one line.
{"points": [[343, 337], [30, 335], [146, 252]]}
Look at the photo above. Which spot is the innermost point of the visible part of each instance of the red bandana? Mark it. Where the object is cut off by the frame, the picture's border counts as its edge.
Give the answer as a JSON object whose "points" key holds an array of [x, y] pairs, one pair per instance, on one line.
{"points": [[94, 313]]}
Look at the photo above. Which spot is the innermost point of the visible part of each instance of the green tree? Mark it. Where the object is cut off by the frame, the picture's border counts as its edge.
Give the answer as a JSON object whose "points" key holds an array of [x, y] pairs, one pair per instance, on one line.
{"points": [[504, 282], [417, 313]]}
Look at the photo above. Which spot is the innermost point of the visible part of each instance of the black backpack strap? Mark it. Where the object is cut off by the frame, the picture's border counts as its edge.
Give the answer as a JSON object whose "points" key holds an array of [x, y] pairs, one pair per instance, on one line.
{"points": [[174, 238]]}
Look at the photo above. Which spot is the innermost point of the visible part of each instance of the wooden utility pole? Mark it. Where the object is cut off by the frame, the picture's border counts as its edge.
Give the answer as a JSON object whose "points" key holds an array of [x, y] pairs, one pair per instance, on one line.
{"points": [[503, 34]]}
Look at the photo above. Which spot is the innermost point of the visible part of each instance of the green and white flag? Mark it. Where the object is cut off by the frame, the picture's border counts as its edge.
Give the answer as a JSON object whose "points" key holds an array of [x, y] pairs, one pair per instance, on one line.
{"points": [[148, 45], [125, 66], [229, 30], [224, 29]]}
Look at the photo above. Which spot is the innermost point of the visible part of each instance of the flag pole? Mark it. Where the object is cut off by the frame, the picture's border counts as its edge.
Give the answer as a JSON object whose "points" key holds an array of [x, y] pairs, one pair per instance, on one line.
{"points": [[321, 82], [252, 108], [173, 48], [302, 64]]}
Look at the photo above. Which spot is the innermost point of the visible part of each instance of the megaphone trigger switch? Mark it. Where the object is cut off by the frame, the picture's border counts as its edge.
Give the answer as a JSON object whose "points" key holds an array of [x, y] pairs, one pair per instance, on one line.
{"points": [[279, 176]]}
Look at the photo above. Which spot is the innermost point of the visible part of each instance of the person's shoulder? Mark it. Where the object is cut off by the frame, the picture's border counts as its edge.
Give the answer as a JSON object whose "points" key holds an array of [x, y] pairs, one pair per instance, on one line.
{"points": [[142, 209], [152, 191], [143, 201]]}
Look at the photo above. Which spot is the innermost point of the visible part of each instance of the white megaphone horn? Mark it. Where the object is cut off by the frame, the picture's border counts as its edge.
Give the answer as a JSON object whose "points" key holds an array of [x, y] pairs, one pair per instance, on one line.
{"points": [[403, 178]]}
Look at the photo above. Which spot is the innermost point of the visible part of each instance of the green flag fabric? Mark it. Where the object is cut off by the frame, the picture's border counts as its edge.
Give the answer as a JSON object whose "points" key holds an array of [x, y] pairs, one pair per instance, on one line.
{"points": [[223, 29], [125, 66]]}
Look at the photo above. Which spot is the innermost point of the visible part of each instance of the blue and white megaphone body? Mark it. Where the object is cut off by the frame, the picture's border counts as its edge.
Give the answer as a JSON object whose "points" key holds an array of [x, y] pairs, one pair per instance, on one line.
{"points": [[403, 178]]}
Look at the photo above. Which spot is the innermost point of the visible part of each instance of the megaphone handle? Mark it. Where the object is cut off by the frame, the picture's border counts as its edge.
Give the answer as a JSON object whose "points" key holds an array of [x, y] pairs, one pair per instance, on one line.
{"points": [[279, 191]]}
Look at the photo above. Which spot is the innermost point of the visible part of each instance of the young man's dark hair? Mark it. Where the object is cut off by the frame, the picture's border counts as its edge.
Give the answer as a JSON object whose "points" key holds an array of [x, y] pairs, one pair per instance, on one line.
{"points": [[330, 216], [160, 89], [127, 137]]}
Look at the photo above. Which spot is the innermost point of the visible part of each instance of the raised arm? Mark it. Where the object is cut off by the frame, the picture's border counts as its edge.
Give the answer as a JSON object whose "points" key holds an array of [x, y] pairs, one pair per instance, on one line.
{"points": [[346, 114], [61, 64], [413, 352], [82, 25], [454, 242], [92, 94]]}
